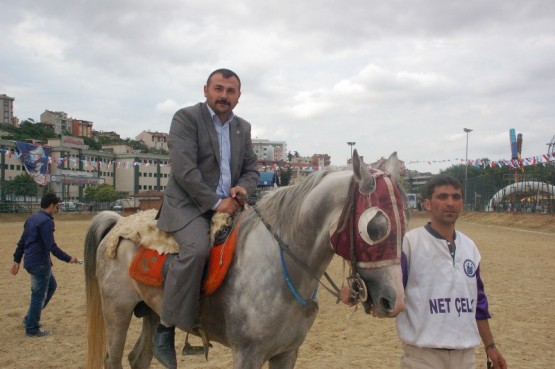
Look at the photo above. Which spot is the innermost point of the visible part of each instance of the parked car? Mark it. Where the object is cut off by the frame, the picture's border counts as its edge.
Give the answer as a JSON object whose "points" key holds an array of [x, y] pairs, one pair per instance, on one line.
{"points": [[68, 206], [118, 206]]}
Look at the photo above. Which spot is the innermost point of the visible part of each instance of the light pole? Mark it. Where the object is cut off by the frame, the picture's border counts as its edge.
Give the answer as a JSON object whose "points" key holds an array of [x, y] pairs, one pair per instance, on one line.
{"points": [[351, 143], [467, 130]]}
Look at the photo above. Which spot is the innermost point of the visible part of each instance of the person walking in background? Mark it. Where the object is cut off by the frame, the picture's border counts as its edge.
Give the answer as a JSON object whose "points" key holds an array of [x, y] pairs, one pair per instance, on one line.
{"points": [[36, 244], [447, 308], [213, 162]]}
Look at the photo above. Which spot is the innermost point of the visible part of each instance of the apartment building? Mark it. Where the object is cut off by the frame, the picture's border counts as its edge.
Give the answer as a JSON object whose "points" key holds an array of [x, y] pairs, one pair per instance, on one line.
{"points": [[58, 120], [156, 140], [6, 110], [269, 150], [81, 128]]}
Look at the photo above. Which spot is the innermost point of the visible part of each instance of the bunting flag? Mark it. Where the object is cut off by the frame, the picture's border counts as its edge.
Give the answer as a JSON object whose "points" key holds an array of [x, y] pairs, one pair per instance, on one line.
{"points": [[485, 163]]}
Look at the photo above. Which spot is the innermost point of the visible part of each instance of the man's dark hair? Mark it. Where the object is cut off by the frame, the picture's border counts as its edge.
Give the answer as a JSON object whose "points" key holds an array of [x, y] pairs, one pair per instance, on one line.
{"points": [[49, 199], [441, 180], [226, 73]]}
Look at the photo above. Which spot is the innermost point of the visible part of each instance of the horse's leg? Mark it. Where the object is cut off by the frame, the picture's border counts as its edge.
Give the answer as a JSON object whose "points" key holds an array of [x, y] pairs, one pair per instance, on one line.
{"points": [[141, 355], [246, 359], [284, 360], [117, 317]]}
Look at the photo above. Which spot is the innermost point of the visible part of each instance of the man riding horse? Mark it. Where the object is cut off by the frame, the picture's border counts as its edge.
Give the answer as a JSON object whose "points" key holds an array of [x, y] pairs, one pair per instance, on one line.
{"points": [[212, 163]]}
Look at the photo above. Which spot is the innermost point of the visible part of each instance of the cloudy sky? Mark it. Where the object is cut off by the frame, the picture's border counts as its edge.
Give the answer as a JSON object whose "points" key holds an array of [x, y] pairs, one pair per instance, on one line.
{"points": [[393, 75]]}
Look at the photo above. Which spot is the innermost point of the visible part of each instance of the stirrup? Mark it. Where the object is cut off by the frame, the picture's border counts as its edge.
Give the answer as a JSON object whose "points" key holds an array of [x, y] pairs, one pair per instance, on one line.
{"points": [[189, 349]]}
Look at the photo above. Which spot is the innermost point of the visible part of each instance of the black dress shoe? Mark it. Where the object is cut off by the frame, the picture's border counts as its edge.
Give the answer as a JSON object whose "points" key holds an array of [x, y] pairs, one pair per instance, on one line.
{"points": [[164, 346], [39, 333]]}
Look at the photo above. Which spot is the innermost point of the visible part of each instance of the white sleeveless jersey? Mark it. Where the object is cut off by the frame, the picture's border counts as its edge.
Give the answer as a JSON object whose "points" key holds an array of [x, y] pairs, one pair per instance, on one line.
{"points": [[441, 294]]}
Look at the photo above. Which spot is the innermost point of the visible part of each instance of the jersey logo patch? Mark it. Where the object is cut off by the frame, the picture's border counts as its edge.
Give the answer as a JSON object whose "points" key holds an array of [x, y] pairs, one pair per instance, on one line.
{"points": [[469, 268]]}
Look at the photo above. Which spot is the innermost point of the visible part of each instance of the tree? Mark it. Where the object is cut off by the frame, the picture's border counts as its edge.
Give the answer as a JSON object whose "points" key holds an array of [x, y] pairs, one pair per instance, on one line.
{"points": [[22, 185], [93, 145], [285, 177], [28, 129], [101, 193]]}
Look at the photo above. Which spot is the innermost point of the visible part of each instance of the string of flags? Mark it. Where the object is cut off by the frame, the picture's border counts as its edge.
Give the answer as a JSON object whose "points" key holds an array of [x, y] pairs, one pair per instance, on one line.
{"points": [[486, 163], [96, 164]]}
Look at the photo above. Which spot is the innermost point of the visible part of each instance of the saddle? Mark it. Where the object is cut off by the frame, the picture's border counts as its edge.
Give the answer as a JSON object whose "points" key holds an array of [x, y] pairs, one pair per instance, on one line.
{"points": [[149, 265]]}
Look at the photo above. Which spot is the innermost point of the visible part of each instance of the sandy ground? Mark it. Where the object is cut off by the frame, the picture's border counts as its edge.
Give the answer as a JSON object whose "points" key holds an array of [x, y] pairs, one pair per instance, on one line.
{"points": [[518, 269]]}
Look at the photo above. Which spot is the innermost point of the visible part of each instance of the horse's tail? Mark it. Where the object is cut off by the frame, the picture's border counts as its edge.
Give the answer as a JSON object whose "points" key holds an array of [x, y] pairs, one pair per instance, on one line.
{"points": [[99, 228]]}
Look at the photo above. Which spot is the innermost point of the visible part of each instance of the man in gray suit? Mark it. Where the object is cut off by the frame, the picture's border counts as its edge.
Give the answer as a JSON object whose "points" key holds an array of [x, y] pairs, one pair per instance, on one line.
{"points": [[212, 162]]}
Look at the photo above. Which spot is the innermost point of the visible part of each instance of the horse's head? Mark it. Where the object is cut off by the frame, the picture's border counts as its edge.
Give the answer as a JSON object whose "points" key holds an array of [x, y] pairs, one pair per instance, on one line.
{"points": [[370, 234]]}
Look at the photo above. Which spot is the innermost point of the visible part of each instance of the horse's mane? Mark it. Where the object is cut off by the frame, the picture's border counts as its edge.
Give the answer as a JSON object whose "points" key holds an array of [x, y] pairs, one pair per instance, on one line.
{"points": [[280, 207]]}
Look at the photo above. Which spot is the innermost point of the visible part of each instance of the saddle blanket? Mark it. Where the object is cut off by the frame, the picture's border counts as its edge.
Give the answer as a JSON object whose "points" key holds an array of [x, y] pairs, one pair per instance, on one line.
{"points": [[148, 264]]}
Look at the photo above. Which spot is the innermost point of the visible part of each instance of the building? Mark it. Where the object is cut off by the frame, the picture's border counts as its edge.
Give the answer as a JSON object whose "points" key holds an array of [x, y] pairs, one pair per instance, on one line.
{"points": [[107, 134], [58, 120], [320, 160], [269, 150], [74, 167], [81, 128], [6, 111], [154, 140], [416, 180]]}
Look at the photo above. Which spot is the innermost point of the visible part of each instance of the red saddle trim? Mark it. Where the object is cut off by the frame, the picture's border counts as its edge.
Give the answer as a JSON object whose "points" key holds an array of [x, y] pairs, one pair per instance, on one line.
{"points": [[220, 260], [146, 266]]}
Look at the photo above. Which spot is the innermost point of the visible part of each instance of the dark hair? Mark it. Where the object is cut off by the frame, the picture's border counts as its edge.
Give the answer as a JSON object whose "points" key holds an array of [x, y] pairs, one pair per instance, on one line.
{"points": [[441, 180], [49, 199], [226, 73]]}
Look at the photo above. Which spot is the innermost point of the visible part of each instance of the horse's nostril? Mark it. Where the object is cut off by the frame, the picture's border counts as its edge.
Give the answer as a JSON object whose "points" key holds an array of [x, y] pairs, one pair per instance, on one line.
{"points": [[385, 304]]}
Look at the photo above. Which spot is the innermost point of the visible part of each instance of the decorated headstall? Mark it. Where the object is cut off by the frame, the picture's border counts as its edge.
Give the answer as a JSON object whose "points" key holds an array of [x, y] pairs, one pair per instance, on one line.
{"points": [[370, 229]]}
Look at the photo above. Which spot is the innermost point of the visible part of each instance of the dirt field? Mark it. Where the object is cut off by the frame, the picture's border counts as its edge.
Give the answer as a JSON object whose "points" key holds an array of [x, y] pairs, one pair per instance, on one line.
{"points": [[518, 269]]}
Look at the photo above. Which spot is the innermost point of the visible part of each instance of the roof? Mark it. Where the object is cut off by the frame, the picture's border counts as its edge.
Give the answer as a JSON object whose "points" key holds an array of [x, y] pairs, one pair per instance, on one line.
{"points": [[267, 179], [147, 194]]}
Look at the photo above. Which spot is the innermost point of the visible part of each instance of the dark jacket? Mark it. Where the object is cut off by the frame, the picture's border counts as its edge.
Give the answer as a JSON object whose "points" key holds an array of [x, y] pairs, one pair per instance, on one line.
{"points": [[37, 242], [195, 158]]}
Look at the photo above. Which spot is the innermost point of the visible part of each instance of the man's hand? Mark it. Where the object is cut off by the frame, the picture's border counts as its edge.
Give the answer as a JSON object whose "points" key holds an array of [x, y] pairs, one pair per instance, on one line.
{"points": [[14, 269], [74, 260], [497, 359], [239, 194], [228, 205]]}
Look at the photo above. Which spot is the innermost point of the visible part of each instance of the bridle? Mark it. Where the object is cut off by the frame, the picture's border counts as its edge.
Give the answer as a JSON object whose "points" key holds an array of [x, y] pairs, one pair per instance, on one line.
{"points": [[284, 248], [381, 251], [357, 286]]}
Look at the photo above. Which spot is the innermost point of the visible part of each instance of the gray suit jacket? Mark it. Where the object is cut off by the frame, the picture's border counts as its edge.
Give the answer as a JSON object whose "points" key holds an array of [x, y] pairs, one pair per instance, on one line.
{"points": [[195, 161]]}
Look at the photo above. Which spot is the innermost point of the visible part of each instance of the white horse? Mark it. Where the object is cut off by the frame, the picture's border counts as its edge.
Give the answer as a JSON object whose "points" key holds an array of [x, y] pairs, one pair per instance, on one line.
{"points": [[267, 304]]}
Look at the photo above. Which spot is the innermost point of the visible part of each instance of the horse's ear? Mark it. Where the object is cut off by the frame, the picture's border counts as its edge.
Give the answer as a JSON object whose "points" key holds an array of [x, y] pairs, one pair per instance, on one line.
{"points": [[393, 166], [362, 175]]}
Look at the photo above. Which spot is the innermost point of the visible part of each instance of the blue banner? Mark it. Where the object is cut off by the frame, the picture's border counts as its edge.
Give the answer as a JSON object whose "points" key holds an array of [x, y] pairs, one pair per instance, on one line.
{"points": [[35, 160]]}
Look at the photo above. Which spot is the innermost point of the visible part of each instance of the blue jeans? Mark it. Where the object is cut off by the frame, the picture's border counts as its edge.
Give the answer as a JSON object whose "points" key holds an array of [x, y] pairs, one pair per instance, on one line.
{"points": [[43, 286]]}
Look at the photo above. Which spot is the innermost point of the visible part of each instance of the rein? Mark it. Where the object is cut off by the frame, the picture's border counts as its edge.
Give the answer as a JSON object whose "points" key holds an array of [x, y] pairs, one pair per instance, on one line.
{"points": [[284, 248]]}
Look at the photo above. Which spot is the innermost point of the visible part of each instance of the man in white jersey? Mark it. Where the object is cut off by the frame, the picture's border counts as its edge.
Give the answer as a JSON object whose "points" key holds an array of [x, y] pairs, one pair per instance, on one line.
{"points": [[447, 308]]}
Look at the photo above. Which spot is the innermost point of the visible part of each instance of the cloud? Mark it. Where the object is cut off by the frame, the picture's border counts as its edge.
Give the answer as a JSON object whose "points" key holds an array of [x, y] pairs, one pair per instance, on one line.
{"points": [[391, 76]]}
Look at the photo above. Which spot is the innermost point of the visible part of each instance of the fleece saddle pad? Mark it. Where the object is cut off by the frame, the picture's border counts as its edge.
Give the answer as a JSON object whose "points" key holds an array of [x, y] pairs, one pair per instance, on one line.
{"points": [[147, 266]]}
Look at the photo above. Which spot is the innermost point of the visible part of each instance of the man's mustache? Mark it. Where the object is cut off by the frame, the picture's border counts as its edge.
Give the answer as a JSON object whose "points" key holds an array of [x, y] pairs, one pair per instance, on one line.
{"points": [[225, 102]]}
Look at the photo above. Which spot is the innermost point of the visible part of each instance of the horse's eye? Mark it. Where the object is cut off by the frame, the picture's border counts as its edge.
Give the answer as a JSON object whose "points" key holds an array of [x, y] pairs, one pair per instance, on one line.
{"points": [[374, 226]]}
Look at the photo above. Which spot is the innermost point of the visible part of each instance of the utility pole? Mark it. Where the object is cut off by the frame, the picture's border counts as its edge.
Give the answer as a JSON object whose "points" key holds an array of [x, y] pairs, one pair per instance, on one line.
{"points": [[467, 130]]}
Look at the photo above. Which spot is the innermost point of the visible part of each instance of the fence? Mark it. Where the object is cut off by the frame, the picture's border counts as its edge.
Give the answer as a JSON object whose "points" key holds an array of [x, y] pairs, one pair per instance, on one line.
{"points": [[511, 191]]}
